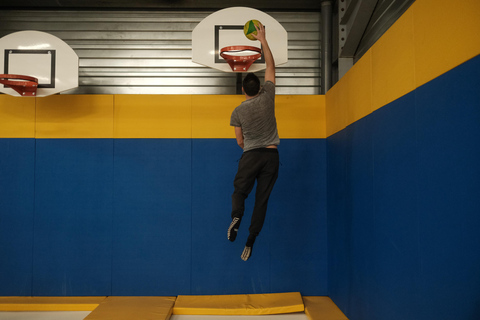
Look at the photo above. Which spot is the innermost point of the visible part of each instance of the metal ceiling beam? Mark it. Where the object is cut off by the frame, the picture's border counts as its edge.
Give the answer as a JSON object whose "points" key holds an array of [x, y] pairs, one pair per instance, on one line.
{"points": [[326, 45], [297, 5], [353, 23]]}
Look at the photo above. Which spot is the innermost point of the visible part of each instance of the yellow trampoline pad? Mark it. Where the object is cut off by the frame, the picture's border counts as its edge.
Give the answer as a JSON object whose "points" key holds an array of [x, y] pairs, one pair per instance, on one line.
{"points": [[138, 308], [247, 304], [49, 303]]}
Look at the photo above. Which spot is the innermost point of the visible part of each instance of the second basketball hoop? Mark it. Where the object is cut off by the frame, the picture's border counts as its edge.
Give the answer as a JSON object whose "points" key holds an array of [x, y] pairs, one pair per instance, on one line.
{"points": [[25, 86]]}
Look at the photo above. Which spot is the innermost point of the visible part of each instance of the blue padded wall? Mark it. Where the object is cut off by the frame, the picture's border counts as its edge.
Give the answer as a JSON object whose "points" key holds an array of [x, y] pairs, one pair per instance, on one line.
{"points": [[290, 252], [350, 199], [395, 219], [149, 217], [448, 116], [152, 217], [403, 207], [297, 221], [73, 217], [217, 260], [17, 165]]}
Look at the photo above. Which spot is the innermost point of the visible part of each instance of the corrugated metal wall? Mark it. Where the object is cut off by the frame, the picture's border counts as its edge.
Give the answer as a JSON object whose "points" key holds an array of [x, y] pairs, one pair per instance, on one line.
{"points": [[149, 52]]}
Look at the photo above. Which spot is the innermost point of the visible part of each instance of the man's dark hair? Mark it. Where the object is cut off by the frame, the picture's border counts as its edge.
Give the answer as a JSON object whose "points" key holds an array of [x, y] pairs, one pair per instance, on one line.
{"points": [[251, 85]]}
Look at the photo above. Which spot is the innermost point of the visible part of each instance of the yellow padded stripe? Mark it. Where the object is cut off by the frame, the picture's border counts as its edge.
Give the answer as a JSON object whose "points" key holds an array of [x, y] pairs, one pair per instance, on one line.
{"points": [[211, 115], [208, 116], [446, 35], [17, 117], [248, 304], [150, 116], [393, 63], [49, 303], [153, 116], [358, 93], [431, 38], [336, 107], [298, 117], [75, 116], [301, 117]]}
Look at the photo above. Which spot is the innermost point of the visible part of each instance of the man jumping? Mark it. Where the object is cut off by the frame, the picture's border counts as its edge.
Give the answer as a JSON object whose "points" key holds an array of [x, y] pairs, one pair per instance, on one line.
{"points": [[256, 133]]}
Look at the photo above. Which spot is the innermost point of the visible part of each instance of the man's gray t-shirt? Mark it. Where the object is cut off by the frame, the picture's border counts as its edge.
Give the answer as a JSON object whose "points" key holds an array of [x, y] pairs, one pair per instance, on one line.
{"points": [[256, 117]]}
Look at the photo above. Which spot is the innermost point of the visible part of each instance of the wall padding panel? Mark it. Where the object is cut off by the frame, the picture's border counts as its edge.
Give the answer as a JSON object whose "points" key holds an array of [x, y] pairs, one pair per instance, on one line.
{"points": [[73, 217], [446, 29], [297, 220], [17, 117], [152, 222], [288, 253], [75, 116], [17, 189], [448, 116], [153, 116], [429, 39], [403, 205], [214, 167], [393, 62], [131, 195], [394, 256]]}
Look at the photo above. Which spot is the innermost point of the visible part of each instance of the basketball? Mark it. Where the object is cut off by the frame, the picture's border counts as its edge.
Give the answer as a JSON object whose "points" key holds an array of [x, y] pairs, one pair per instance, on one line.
{"points": [[249, 29]]}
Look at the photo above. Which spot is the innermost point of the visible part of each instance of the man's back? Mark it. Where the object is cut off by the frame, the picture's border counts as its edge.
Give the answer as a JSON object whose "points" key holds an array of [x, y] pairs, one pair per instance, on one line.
{"points": [[256, 117]]}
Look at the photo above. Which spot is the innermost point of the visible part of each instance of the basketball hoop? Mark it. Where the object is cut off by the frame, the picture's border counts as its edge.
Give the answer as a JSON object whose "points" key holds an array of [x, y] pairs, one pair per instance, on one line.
{"points": [[240, 62], [26, 86]]}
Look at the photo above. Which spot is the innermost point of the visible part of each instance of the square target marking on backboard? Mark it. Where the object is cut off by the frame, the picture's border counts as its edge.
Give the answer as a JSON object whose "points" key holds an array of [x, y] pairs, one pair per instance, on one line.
{"points": [[18, 61]]}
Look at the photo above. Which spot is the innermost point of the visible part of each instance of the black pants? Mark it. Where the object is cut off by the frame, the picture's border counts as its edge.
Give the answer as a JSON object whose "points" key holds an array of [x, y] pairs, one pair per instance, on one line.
{"points": [[260, 165]]}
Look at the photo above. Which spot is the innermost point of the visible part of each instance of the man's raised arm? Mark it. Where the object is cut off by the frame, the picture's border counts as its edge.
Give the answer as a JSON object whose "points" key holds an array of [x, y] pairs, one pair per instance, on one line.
{"points": [[267, 53]]}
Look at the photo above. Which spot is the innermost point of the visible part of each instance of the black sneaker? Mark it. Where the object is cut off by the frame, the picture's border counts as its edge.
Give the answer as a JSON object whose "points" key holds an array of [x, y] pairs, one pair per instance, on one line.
{"points": [[233, 229], [247, 253]]}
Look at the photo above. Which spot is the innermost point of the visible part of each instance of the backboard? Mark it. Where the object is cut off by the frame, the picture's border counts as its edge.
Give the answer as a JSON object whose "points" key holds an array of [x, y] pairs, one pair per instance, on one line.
{"points": [[40, 55], [224, 28]]}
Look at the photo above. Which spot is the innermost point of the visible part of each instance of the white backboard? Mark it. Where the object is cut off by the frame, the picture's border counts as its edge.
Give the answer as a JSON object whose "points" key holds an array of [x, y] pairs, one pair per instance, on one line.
{"points": [[40, 55], [225, 28]]}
